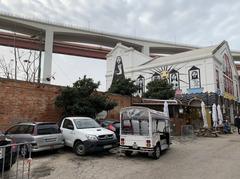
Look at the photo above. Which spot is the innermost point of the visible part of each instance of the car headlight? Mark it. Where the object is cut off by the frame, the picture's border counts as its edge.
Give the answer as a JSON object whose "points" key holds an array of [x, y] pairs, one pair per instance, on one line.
{"points": [[114, 136], [92, 137]]}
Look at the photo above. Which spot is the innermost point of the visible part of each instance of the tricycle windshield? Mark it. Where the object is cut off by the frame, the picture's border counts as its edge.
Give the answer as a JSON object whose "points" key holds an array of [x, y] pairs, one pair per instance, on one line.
{"points": [[135, 121]]}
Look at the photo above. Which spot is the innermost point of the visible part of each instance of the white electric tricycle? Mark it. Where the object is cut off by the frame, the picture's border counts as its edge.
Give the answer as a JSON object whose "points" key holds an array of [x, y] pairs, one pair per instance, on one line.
{"points": [[144, 130]]}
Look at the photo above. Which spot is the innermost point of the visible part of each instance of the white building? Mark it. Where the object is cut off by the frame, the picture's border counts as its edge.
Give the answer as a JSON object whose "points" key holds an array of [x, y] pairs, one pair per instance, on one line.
{"points": [[195, 73]]}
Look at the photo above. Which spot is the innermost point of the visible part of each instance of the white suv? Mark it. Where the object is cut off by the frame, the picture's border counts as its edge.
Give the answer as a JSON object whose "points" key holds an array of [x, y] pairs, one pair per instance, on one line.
{"points": [[84, 135]]}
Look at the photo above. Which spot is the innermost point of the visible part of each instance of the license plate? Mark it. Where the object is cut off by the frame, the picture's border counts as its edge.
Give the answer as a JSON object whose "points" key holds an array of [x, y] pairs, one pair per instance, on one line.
{"points": [[107, 146], [135, 146]]}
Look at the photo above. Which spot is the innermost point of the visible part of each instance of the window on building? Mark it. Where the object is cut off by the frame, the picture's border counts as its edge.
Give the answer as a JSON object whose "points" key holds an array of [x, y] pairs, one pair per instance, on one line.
{"points": [[141, 84], [228, 79], [217, 79], [156, 76], [237, 90]]}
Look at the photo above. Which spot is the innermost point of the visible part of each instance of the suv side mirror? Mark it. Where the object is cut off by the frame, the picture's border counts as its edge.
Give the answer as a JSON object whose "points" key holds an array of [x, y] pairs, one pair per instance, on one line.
{"points": [[70, 127]]}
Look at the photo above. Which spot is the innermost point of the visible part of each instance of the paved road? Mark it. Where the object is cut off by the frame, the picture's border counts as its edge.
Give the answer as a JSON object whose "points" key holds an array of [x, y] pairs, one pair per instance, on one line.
{"points": [[201, 158]]}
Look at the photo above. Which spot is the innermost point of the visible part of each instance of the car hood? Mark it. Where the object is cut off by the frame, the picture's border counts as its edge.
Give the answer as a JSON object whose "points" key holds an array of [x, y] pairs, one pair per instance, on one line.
{"points": [[96, 131]]}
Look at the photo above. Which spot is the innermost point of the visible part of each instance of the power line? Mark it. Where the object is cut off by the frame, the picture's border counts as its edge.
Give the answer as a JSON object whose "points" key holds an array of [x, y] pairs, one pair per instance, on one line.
{"points": [[66, 75]]}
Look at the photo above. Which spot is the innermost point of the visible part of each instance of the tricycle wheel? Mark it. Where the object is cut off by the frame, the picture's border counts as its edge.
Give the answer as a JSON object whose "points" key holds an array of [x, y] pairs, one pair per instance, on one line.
{"points": [[7, 167], [157, 152], [128, 153]]}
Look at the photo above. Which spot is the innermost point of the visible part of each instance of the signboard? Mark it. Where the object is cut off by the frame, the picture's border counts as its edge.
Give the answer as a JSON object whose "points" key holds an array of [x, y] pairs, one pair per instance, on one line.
{"points": [[229, 96], [195, 90]]}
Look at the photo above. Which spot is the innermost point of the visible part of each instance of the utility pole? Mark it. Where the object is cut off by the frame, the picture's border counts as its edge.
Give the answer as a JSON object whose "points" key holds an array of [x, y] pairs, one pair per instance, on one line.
{"points": [[15, 53]]}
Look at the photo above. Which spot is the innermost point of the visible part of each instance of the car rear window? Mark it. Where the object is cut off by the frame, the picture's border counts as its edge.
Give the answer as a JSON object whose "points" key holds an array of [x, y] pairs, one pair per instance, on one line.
{"points": [[106, 123], [21, 129], [45, 129]]}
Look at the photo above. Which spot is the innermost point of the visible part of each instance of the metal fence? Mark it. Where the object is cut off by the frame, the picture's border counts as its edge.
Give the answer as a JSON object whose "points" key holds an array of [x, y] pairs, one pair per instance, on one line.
{"points": [[15, 161], [187, 133]]}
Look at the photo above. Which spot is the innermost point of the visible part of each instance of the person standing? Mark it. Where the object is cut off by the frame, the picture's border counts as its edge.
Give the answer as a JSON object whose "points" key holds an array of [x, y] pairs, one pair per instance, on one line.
{"points": [[238, 124]]}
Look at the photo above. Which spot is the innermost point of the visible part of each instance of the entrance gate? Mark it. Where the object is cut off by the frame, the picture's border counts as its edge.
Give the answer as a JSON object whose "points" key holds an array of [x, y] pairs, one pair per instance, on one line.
{"points": [[15, 161]]}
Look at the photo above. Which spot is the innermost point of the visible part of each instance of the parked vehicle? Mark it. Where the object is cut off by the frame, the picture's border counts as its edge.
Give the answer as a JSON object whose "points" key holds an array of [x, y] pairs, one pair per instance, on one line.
{"points": [[85, 135], [144, 130], [112, 125], [41, 135], [8, 153]]}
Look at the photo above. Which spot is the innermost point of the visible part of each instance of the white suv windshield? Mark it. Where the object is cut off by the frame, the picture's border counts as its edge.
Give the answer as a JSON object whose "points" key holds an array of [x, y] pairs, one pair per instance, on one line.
{"points": [[85, 123]]}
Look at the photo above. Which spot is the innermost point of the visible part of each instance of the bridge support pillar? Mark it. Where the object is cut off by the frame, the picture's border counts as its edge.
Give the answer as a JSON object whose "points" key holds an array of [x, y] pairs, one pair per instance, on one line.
{"points": [[47, 65], [145, 50]]}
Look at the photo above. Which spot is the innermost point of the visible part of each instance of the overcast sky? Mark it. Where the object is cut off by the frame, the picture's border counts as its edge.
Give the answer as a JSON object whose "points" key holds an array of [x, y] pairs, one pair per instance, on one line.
{"points": [[197, 22]]}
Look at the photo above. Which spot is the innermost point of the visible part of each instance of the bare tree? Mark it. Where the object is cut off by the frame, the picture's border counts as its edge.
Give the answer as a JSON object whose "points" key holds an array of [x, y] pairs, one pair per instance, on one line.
{"points": [[27, 65], [6, 68]]}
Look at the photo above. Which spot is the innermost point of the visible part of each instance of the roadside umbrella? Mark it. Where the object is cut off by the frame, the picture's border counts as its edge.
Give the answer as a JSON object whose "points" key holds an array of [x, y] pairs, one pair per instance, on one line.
{"points": [[165, 109], [214, 115], [220, 116], [205, 124]]}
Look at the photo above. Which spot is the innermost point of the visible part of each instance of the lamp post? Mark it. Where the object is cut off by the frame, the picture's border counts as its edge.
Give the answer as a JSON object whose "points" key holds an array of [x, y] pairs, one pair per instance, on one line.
{"points": [[39, 37]]}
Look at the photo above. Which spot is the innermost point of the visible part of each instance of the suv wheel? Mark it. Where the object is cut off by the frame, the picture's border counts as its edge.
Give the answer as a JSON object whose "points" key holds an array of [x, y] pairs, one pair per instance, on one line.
{"points": [[157, 152], [79, 148]]}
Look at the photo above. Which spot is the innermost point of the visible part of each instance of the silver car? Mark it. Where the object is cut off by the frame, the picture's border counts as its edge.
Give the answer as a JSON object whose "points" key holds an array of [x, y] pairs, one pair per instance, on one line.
{"points": [[41, 135]]}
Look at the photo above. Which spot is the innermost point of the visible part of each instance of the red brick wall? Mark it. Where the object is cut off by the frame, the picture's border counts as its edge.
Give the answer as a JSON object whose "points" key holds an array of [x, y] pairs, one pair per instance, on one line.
{"points": [[123, 101], [23, 101]]}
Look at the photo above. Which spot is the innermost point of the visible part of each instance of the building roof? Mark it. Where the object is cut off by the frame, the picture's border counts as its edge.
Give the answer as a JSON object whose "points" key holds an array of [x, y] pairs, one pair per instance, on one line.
{"points": [[189, 55], [34, 123]]}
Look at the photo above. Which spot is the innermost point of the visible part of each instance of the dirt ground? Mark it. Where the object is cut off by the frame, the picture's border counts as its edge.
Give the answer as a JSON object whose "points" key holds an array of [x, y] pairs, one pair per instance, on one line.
{"points": [[199, 158]]}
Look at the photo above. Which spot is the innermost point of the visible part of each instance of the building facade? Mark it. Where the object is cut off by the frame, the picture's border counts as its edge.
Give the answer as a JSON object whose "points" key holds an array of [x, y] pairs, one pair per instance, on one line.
{"points": [[207, 74]]}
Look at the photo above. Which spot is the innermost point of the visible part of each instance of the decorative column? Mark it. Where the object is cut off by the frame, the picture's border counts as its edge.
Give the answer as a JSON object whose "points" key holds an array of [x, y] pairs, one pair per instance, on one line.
{"points": [[146, 50]]}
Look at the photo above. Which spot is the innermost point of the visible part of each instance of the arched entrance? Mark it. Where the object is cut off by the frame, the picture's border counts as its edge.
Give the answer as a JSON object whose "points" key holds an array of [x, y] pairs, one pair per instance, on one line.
{"points": [[195, 114]]}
